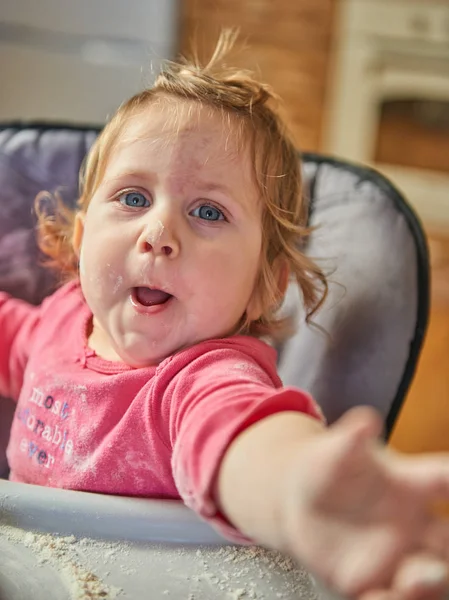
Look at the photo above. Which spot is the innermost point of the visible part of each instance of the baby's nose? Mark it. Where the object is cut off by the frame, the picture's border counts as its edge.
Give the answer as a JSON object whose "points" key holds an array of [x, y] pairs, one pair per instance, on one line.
{"points": [[160, 240], [167, 250]]}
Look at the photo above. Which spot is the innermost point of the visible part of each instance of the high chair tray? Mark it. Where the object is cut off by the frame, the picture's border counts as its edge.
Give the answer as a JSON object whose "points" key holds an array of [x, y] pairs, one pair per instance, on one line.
{"points": [[65, 545]]}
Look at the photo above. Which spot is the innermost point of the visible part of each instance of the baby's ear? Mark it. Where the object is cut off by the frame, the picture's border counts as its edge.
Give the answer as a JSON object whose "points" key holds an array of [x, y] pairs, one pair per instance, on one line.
{"points": [[78, 230]]}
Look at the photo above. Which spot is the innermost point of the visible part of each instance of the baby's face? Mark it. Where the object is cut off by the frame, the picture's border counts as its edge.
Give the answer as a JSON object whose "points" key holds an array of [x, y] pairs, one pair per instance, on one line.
{"points": [[171, 241]]}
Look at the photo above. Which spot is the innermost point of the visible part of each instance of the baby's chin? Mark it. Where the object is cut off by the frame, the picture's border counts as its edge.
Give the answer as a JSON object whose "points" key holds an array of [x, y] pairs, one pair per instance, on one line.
{"points": [[142, 359], [139, 358], [137, 351], [140, 353]]}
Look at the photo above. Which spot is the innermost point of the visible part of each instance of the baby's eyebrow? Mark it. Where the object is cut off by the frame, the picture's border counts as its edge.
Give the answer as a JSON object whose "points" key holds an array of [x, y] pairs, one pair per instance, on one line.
{"points": [[123, 175], [214, 187]]}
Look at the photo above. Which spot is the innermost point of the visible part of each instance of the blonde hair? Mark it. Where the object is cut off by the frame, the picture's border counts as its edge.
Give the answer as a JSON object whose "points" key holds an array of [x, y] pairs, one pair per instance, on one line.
{"points": [[277, 173]]}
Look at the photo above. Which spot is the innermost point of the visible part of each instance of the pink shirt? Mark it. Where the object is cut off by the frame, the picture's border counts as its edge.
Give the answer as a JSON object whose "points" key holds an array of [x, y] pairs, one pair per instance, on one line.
{"points": [[84, 423]]}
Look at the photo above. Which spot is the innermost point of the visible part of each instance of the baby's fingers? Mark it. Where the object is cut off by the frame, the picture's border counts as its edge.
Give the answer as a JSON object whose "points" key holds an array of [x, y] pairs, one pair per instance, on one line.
{"points": [[436, 538], [426, 475], [352, 431], [381, 595], [421, 577], [396, 595]]}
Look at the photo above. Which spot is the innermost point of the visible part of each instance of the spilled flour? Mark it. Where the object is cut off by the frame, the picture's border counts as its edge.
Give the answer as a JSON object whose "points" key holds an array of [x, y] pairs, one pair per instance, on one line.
{"points": [[159, 571], [243, 568], [59, 553]]}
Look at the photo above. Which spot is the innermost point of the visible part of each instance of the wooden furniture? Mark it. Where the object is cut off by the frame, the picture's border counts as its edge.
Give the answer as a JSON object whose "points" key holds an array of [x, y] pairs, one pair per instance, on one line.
{"points": [[288, 43], [423, 425]]}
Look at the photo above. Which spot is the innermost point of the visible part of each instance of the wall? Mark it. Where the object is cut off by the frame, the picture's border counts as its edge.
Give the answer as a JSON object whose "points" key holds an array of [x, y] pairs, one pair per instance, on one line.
{"points": [[76, 62], [288, 43]]}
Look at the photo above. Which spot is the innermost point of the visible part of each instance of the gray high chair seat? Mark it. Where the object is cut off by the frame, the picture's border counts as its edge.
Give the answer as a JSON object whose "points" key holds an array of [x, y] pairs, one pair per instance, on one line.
{"points": [[372, 246]]}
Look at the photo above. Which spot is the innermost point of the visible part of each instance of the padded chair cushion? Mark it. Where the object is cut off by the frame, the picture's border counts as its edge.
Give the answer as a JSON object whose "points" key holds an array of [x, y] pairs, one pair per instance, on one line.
{"points": [[372, 246], [33, 160]]}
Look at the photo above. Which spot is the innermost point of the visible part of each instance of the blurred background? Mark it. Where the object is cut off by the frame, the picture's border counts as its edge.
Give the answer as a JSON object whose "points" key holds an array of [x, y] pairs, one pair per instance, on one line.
{"points": [[366, 80]]}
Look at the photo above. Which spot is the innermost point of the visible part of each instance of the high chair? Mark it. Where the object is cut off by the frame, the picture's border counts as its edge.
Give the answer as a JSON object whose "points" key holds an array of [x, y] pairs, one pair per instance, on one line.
{"points": [[362, 348]]}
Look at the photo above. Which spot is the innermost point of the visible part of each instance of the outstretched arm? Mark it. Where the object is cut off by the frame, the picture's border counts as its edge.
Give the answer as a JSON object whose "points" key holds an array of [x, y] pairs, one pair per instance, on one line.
{"points": [[349, 509], [17, 321]]}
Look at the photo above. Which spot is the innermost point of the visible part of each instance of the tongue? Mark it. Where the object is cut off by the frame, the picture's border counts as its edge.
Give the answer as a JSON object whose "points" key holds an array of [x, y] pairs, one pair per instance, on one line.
{"points": [[149, 297]]}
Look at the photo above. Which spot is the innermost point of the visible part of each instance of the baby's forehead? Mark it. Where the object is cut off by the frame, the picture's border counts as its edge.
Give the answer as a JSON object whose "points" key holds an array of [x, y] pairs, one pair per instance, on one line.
{"points": [[186, 145], [174, 123]]}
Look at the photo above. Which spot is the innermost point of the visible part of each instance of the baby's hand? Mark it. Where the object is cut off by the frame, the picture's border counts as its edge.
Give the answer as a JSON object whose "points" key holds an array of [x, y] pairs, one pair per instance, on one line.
{"points": [[357, 514]]}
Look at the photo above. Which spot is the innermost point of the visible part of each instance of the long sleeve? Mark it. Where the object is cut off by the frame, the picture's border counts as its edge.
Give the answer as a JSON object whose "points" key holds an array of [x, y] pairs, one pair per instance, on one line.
{"points": [[18, 320]]}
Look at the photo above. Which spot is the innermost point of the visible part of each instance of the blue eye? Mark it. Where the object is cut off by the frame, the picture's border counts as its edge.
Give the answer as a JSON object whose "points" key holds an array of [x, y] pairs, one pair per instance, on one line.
{"points": [[134, 199], [208, 213]]}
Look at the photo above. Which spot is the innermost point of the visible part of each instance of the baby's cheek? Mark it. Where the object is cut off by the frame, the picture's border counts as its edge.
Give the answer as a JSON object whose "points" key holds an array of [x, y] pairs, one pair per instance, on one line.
{"points": [[82, 266], [95, 275], [225, 308]]}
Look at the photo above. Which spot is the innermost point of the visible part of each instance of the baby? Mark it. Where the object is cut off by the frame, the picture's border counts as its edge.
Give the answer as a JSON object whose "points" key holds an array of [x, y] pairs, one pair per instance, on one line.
{"points": [[146, 373]]}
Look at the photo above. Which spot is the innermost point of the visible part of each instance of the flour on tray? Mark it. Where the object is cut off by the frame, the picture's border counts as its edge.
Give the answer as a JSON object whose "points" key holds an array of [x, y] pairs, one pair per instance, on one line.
{"points": [[60, 553]]}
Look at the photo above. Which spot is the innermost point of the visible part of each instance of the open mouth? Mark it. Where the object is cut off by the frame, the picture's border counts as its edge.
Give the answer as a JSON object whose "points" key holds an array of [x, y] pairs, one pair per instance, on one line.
{"points": [[146, 296]]}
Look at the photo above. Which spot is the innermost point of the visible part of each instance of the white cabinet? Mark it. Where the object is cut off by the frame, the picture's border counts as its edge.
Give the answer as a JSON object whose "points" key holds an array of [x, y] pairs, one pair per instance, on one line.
{"points": [[389, 50], [76, 61]]}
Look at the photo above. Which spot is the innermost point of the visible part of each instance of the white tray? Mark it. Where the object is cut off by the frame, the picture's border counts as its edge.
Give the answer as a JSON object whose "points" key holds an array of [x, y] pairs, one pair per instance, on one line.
{"points": [[65, 545]]}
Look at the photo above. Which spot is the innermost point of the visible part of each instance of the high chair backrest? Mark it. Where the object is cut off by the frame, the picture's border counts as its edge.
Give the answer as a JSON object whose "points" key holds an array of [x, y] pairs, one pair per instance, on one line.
{"points": [[372, 246], [367, 239]]}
